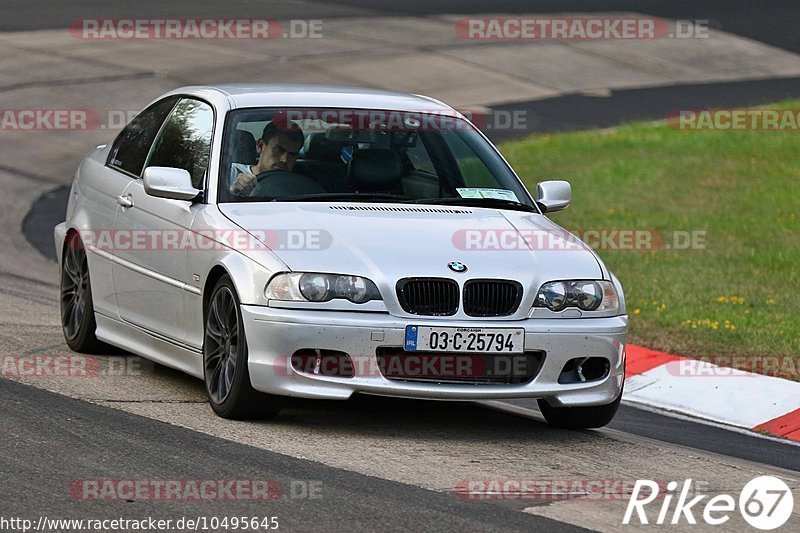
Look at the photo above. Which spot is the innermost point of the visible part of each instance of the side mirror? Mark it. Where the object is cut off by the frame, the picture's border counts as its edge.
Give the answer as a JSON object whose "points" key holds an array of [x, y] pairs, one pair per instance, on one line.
{"points": [[553, 195], [168, 182]]}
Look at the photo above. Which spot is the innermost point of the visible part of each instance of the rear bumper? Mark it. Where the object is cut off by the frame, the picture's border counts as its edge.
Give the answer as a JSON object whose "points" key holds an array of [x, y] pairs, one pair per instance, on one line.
{"points": [[273, 335]]}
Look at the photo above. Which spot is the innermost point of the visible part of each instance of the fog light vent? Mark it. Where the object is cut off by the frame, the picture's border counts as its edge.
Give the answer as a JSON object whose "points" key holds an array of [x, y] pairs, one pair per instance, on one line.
{"points": [[583, 369], [323, 363]]}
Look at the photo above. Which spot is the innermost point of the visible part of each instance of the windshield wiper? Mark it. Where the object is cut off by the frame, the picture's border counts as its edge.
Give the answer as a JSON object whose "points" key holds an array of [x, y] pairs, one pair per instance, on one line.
{"points": [[366, 196], [478, 202]]}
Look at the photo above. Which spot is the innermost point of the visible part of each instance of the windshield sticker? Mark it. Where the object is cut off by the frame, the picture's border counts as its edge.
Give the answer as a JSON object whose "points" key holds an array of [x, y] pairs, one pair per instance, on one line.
{"points": [[477, 192], [347, 154]]}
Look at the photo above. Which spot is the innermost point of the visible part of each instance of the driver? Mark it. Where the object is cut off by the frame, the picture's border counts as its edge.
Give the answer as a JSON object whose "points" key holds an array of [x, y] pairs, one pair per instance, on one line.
{"points": [[278, 148]]}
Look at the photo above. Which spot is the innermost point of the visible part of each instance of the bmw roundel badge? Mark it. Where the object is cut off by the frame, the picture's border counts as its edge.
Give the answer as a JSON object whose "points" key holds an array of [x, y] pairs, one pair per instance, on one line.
{"points": [[457, 266]]}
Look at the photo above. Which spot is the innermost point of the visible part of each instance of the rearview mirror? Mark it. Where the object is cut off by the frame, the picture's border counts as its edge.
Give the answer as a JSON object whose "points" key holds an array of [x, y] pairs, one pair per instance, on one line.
{"points": [[553, 195], [346, 134], [168, 182]]}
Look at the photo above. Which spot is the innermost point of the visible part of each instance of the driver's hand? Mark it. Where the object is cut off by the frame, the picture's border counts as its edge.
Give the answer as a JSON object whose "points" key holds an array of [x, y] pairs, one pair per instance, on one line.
{"points": [[243, 184]]}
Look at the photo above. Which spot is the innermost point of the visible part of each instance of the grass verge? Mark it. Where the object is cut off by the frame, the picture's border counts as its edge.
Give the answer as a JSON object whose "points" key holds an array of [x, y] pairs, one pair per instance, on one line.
{"points": [[738, 294]]}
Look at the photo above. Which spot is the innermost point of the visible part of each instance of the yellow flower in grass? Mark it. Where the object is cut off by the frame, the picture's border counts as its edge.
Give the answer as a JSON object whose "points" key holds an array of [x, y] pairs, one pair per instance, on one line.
{"points": [[708, 323], [729, 299]]}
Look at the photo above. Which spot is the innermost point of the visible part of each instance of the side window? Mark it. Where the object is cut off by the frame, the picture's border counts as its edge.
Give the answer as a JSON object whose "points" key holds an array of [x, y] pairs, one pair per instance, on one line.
{"points": [[185, 140], [131, 146]]}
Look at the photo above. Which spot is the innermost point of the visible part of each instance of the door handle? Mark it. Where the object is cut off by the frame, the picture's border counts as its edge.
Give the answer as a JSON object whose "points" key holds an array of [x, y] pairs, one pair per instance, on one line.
{"points": [[125, 201]]}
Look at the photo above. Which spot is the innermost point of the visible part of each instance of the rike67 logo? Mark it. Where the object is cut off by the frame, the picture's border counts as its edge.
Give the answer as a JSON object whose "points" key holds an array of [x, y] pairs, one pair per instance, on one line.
{"points": [[765, 503]]}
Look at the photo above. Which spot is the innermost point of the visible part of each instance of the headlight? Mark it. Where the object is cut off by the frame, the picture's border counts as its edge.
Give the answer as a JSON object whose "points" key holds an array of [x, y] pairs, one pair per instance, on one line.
{"points": [[315, 287], [587, 295], [353, 288], [553, 295]]}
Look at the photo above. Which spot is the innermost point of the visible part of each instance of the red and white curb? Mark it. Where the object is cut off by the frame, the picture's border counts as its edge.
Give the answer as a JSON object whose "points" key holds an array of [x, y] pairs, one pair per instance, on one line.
{"points": [[700, 389]]}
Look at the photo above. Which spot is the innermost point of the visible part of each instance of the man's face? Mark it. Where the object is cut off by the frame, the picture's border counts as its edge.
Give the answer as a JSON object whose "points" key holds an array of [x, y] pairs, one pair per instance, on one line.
{"points": [[280, 153]]}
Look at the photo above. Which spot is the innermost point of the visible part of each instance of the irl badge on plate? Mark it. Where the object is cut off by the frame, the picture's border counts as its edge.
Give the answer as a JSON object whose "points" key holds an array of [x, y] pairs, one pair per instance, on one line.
{"points": [[411, 338]]}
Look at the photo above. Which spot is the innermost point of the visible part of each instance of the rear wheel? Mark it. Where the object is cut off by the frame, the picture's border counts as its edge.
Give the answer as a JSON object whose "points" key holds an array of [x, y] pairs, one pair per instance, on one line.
{"points": [[226, 376], [77, 310], [594, 416]]}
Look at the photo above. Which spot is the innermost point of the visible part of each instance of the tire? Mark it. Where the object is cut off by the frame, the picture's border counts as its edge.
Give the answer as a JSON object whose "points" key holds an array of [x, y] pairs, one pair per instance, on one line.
{"points": [[77, 309], [225, 372], [594, 416]]}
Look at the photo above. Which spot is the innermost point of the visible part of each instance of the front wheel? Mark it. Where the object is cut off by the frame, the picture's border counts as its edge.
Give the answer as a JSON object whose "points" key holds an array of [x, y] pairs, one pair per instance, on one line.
{"points": [[77, 309], [226, 376], [594, 416]]}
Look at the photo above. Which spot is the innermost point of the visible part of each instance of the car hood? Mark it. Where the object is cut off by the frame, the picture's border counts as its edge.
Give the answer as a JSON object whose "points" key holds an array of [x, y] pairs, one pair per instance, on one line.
{"points": [[386, 242]]}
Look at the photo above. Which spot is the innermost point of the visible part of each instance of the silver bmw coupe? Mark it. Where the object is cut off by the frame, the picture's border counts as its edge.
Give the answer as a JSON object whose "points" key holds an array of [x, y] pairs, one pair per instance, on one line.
{"points": [[313, 241]]}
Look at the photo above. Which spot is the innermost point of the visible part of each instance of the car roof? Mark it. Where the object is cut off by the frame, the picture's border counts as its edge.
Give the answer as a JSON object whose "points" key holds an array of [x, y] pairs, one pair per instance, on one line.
{"points": [[242, 95]]}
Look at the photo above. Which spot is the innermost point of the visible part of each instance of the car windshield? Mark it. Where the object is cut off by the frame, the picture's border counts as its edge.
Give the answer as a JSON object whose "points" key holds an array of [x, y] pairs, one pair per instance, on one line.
{"points": [[362, 155]]}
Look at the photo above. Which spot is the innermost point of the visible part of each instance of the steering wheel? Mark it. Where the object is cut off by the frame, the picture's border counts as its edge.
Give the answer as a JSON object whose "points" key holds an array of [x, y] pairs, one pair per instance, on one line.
{"points": [[276, 183], [270, 173]]}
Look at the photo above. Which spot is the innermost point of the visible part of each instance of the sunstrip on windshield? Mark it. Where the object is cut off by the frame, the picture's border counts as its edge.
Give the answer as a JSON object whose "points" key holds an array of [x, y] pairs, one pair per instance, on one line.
{"points": [[478, 192]]}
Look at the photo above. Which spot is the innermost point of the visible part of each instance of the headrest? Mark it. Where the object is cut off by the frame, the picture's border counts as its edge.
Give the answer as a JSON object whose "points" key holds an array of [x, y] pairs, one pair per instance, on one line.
{"points": [[244, 147], [317, 146], [374, 167]]}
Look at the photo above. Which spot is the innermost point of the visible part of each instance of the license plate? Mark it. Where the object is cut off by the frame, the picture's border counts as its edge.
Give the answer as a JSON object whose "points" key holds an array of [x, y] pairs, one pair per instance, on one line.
{"points": [[472, 340]]}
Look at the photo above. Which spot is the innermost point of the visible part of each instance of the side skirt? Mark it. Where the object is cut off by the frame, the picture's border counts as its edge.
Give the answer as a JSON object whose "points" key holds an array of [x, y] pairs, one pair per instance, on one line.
{"points": [[150, 346]]}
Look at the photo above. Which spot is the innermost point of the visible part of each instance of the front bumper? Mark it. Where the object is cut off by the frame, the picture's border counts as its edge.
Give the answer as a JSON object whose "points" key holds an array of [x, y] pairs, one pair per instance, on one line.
{"points": [[273, 335]]}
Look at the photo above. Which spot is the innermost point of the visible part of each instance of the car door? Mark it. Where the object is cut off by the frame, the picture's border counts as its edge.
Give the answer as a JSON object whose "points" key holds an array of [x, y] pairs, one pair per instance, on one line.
{"points": [[102, 185], [150, 275]]}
